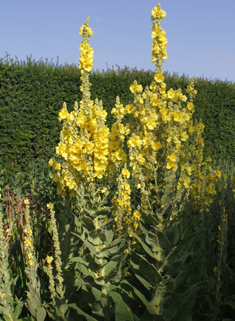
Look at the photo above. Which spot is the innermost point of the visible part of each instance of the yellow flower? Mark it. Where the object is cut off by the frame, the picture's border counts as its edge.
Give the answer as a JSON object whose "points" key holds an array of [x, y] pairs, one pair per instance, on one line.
{"points": [[178, 116], [57, 166], [137, 215], [31, 262], [156, 145], [186, 182], [49, 259], [184, 136], [218, 174], [158, 13], [151, 124], [27, 243], [171, 94], [49, 205], [159, 78], [172, 157], [126, 251], [30, 255], [63, 114], [125, 173], [189, 170], [71, 184], [136, 88], [190, 106], [104, 190], [26, 201]]}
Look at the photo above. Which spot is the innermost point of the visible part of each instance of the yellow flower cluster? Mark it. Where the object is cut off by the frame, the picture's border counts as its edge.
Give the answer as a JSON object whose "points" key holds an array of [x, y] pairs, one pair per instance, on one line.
{"points": [[117, 136], [160, 40], [124, 220], [87, 147], [87, 52], [164, 144], [28, 241], [49, 259], [84, 145]]}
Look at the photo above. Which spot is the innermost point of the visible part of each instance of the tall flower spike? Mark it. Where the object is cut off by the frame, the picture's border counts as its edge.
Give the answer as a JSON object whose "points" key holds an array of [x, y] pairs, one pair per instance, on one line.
{"points": [[86, 64], [58, 262], [159, 42]]}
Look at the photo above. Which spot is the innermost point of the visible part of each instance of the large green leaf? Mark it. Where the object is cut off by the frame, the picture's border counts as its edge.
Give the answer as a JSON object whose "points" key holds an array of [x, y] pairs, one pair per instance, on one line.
{"points": [[185, 299], [90, 246], [108, 236], [18, 310], [80, 312], [149, 271], [111, 249], [41, 314], [96, 237], [97, 308], [172, 234], [145, 247], [170, 259], [158, 240], [164, 289], [122, 310], [147, 316], [145, 283], [140, 297]]}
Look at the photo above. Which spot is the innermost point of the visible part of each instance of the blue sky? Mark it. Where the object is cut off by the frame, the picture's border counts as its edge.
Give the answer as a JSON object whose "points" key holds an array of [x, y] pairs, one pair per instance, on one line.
{"points": [[200, 33]]}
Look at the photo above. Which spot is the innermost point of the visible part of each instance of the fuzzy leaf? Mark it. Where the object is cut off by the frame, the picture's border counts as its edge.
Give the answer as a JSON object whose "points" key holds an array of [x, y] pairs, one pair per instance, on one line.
{"points": [[231, 304], [108, 268], [145, 283], [6, 318], [98, 309], [149, 271], [147, 316], [91, 291], [97, 237], [164, 287], [41, 314], [170, 259], [157, 240], [141, 297], [103, 210], [88, 244], [110, 249], [63, 308], [172, 233], [187, 297], [80, 312], [122, 311], [145, 247], [18, 310], [80, 260], [109, 236]]}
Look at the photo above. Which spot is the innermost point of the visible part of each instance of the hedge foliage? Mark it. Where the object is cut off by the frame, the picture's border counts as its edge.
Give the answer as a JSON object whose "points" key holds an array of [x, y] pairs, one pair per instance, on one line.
{"points": [[32, 94]]}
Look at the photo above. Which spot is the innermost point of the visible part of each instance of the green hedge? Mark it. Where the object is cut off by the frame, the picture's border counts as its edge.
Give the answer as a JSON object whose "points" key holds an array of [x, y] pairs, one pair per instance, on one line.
{"points": [[32, 94]]}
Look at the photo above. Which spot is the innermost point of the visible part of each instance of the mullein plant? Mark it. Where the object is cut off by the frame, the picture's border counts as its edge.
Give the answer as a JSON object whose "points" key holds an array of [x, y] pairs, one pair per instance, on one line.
{"points": [[10, 305], [137, 236], [58, 306], [34, 301]]}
